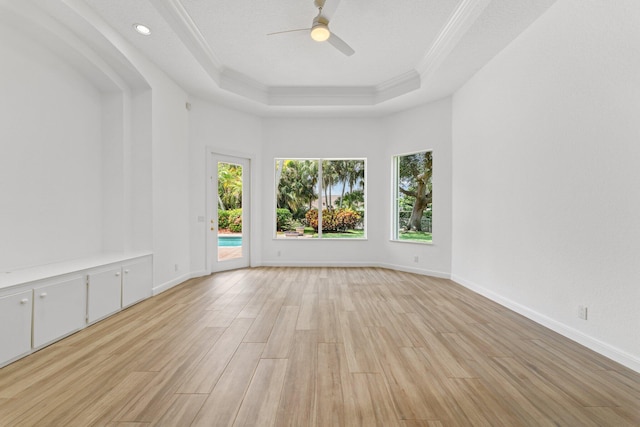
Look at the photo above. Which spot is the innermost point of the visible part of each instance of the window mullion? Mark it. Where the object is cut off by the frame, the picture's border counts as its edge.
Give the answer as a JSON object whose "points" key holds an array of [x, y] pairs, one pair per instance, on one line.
{"points": [[319, 198]]}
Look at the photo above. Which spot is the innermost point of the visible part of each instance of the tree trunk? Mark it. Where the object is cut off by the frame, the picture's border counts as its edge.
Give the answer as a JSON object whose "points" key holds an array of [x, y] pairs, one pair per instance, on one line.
{"points": [[421, 203]]}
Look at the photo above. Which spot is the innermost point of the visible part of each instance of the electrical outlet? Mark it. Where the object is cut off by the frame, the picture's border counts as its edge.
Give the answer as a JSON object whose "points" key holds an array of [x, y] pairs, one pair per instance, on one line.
{"points": [[175, 267], [582, 312], [415, 258], [278, 253]]}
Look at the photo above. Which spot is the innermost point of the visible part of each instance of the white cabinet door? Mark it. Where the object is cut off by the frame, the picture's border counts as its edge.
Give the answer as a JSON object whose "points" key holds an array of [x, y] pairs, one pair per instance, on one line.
{"points": [[59, 308], [104, 293], [137, 281], [15, 325]]}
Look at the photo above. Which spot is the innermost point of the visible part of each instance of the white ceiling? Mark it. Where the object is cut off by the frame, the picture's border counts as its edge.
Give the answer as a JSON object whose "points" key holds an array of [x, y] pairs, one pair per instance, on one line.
{"points": [[407, 52]]}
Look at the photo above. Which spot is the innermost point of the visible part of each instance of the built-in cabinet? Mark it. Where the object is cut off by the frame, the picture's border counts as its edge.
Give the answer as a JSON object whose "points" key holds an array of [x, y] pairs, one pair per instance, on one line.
{"points": [[117, 287], [58, 310], [15, 325], [104, 293], [136, 275], [36, 313]]}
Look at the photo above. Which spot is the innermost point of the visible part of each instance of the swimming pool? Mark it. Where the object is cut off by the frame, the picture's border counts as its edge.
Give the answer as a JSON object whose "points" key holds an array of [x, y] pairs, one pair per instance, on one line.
{"points": [[230, 241]]}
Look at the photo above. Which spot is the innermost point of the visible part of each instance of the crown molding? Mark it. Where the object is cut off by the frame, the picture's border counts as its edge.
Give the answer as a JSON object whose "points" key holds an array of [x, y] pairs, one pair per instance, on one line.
{"points": [[240, 84], [397, 86], [462, 18], [243, 85], [186, 29], [321, 96]]}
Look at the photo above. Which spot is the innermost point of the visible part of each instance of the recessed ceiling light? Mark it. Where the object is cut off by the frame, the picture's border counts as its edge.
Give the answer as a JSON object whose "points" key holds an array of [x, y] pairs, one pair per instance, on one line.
{"points": [[142, 29]]}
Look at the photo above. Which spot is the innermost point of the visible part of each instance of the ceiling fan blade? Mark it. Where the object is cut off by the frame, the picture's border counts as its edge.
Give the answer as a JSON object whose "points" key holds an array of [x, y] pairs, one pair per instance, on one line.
{"points": [[289, 31], [328, 7], [340, 44]]}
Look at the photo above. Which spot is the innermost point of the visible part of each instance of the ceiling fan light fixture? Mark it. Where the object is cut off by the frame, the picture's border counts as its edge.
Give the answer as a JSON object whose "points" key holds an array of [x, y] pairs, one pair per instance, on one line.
{"points": [[320, 32]]}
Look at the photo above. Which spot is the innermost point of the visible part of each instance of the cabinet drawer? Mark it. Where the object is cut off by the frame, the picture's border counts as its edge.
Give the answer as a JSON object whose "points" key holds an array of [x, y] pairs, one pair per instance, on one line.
{"points": [[59, 309]]}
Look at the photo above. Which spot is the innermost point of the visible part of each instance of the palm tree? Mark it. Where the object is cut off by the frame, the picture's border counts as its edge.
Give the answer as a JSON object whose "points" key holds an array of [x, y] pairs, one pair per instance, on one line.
{"points": [[329, 178], [229, 186], [297, 180], [355, 174]]}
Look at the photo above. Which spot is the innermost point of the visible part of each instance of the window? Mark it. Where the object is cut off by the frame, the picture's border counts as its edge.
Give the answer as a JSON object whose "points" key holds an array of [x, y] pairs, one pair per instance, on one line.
{"points": [[320, 198], [413, 197]]}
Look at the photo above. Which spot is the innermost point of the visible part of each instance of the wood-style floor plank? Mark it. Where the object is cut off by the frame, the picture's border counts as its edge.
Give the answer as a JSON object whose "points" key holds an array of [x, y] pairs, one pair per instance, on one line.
{"points": [[329, 385], [223, 402], [260, 405], [316, 347], [297, 404]]}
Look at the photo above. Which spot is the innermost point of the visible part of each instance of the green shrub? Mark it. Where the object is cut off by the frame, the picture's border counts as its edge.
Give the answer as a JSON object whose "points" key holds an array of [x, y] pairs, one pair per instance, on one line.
{"points": [[230, 220], [283, 219], [334, 220], [223, 219], [235, 220]]}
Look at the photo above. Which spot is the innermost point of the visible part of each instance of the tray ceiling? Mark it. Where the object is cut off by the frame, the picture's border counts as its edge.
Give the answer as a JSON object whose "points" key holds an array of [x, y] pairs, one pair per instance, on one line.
{"points": [[406, 51]]}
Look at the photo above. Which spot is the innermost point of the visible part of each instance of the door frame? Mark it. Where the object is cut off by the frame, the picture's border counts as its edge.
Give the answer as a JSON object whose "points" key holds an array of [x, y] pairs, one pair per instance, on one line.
{"points": [[212, 263]]}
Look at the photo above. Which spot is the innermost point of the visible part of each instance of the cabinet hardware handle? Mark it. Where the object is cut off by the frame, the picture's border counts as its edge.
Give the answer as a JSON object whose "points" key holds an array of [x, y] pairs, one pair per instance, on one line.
{"points": [[126, 271], [43, 295], [117, 274], [24, 300]]}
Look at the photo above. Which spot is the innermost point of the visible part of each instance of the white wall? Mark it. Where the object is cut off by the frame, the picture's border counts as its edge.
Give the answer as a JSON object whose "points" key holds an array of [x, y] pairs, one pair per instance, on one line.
{"points": [[546, 175], [419, 129], [213, 128], [161, 188], [329, 138], [170, 182], [50, 162], [140, 171], [91, 165]]}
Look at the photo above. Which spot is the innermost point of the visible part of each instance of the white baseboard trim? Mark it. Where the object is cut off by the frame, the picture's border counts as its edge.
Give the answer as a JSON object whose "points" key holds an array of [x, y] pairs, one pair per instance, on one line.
{"points": [[171, 283], [423, 272], [607, 350], [420, 271], [315, 264]]}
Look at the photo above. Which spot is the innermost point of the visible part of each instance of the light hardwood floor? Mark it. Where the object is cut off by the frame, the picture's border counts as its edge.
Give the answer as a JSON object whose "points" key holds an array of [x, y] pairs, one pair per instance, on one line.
{"points": [[317, 347]]}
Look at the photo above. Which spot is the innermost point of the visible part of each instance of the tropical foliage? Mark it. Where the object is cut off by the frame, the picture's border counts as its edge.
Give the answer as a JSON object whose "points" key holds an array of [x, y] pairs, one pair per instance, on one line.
{"points": [[298, 188], [283, 219], [230, 220], [230, 197], [334, 220], [229, 186], [415, 188]]}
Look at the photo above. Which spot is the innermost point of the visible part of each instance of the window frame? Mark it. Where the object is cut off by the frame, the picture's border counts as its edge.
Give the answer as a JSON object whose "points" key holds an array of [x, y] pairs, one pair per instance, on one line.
{"points": [[395, 198], [319, 205]]}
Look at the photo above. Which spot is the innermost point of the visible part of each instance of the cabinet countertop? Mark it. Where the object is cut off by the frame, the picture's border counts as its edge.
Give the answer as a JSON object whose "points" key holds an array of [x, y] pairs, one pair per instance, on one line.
{"points": [[17, 277]]}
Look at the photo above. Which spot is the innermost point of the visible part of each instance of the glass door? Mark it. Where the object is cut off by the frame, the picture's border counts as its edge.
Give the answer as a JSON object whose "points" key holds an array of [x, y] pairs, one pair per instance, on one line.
{"points": [[230, 216]]}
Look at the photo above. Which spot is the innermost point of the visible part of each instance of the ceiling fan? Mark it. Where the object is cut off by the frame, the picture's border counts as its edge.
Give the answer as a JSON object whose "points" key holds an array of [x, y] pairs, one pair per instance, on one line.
{"points": [[319, 30]]}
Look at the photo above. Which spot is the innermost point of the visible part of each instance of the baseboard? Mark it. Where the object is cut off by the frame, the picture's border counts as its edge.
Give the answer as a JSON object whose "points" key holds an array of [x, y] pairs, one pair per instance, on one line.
{"points": [[170, 284], [420, 271], [415, 270], [607, 350], [316, 264]]}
